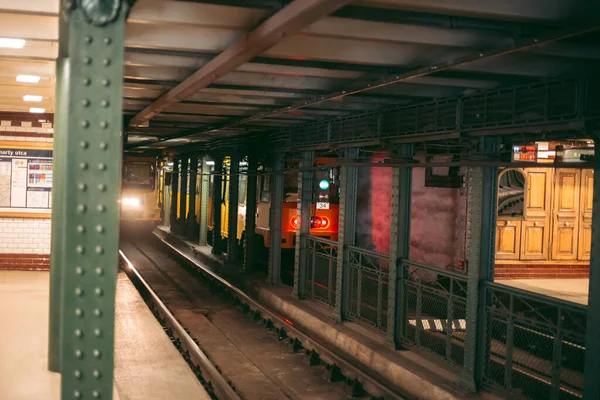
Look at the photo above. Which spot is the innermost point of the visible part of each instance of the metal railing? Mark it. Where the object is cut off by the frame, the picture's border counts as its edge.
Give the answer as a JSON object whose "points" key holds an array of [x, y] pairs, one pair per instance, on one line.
{"points": [[536, 344], [532, 345], [432, 310], [368, 273], [321, 269]]}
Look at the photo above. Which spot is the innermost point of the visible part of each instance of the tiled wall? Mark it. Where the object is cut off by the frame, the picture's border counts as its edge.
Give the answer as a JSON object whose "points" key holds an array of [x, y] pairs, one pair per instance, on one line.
{"points": [[25, 242]]}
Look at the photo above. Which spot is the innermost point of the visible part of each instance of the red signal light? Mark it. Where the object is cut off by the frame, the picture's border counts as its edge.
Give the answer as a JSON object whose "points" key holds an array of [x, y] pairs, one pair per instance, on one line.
{"points": [[295, 221], [319, 222]]}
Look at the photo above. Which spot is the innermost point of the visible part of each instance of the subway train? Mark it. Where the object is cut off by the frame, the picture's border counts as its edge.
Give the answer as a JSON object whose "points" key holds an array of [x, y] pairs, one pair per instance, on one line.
{"points": [[139, 191], [324, 208]]}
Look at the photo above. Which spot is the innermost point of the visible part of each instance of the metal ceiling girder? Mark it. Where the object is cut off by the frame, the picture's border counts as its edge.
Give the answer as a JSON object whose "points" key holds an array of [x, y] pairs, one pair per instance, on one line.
{"points": [[548, 107], [409, 75], [286, 22]]}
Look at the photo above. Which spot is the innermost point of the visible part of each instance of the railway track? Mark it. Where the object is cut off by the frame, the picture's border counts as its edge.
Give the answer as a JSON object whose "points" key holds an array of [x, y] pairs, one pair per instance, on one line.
{"points": [[239, 349]]}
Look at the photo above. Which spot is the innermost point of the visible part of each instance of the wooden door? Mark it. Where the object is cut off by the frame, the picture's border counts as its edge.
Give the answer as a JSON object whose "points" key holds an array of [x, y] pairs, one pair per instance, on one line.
{"points": [[535, 236], [585, 220], [566, 214], [508, 240], [535, 229], [539, 192]]}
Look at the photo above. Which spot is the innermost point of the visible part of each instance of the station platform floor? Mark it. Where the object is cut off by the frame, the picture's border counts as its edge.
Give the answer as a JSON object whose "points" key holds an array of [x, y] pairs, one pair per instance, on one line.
{"points": [[573, 290], [147, 364]]}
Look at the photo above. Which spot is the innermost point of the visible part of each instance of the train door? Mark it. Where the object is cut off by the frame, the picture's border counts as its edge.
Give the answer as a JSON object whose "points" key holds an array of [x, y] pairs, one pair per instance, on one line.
{"points": [[225, 201], [263, 207], [241, 214]]}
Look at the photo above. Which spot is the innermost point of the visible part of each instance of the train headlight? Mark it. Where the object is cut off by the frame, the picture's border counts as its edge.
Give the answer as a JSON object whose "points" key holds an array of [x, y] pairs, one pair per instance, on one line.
{"points": [[131, 201]]}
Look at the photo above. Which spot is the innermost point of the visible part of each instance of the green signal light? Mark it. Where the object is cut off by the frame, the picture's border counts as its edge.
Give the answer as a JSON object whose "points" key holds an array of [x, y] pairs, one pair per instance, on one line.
{"points": [[324, 184]]}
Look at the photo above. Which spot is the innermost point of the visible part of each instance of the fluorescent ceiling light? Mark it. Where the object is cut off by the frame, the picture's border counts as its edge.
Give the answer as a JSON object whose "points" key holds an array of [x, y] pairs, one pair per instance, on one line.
{"points": [[41, 120], [31, 97], [28, 78], [12, 43], [209, 162], [36, 110]]}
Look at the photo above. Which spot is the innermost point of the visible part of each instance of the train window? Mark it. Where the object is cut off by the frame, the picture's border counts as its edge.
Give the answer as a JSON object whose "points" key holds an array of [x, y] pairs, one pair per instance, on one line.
{"points": [[511, 193], [242, 189], [265, 189], [138, 175]]}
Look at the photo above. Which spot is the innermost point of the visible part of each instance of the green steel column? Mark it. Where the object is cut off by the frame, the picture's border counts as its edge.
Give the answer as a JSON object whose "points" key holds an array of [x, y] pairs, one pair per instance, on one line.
{"points": [[92, 179], [591, 388], [183, 190], [251, 199], [276, 219], [346, 232], [399, 245], [58, 202], [483, 183], [174, 191], [305, 189], [191, 220], [234, 187], [217, 200], [204, 191]]}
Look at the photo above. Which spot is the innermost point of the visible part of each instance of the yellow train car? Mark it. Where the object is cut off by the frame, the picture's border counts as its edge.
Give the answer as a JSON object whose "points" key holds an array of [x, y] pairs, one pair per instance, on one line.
{"points": [[139, 191], [324, 209]]}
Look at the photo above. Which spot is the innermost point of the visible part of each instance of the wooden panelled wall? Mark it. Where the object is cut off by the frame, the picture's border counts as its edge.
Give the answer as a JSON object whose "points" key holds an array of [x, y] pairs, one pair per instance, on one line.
{"points": [[553, 238]]}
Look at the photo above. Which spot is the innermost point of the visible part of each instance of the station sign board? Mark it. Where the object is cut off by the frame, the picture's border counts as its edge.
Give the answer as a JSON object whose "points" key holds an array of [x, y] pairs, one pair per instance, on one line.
{"points": [[525, 153]]}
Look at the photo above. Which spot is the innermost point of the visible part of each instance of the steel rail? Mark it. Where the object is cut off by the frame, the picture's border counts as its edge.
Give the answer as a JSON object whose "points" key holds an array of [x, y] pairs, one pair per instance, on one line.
{"points": [[219, 384], [372, 386]]}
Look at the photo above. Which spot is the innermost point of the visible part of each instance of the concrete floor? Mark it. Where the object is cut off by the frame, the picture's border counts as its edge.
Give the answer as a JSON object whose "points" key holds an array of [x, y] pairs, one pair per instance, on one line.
{"points": [[147, 366], [575, 290]]}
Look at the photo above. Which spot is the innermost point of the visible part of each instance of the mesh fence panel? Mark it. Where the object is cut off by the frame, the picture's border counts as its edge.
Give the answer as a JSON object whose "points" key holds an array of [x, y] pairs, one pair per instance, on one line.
{"points": [[321, 269], [434, 308], [369, 278], [536, 344]]}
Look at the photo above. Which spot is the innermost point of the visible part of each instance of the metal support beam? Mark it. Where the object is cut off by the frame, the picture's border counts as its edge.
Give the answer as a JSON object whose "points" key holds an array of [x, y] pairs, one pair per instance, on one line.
{"points": [[365, 86], [58, 210], [174, 191], [183, 191], [275, 220], [234, 189], [288, 21], [346, 232], [251, 200], [591, 388], [305, 189], [399, 245], [216, 203], [204, 191], [191, 217], [481, 233], [91, 175]]}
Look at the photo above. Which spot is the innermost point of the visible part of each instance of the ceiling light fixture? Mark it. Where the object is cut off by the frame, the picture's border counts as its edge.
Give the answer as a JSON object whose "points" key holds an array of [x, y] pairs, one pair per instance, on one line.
{"points": [[12, 43], [31, 97], [28, 78], [36, 110]]}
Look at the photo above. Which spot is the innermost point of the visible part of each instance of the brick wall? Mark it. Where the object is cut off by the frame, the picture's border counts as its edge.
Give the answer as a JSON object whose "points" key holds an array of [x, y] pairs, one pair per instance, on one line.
{"points": [[25, 242], [438, 216]]}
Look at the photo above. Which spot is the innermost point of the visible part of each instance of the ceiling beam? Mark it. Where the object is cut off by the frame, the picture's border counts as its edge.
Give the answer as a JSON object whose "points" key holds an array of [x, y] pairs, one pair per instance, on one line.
{"points": [[362, 87], [284, 23]]}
